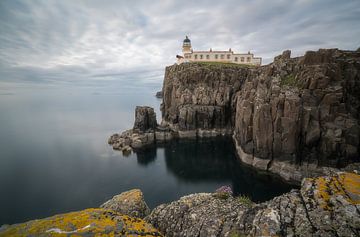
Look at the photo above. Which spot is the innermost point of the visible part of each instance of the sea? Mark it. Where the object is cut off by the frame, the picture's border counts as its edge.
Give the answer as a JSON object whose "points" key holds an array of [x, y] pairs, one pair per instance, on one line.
{"points": [[54, 155]]}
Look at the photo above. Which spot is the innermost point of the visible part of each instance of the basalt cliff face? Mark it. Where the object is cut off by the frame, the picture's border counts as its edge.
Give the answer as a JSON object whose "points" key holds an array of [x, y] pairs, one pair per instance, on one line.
{"points": [[290, 117]]}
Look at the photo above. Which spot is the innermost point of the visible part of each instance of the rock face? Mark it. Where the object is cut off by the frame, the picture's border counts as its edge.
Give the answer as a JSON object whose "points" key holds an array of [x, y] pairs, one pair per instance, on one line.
{"points": [[290, 117], [145, 119], [324, 206], [130, 203], [89, 222], [201, 96]]}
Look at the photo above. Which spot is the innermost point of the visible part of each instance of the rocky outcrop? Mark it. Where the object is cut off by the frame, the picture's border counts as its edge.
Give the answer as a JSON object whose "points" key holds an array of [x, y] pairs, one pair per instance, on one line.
{"points": [[145, 132], [290, 117], [159, 94], [145, 119], [130, 203], [324, 206], [89, 222]]}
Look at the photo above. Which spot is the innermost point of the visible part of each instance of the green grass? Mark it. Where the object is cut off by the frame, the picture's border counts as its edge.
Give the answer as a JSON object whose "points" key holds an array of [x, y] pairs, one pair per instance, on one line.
{"points": [[221, 195], [223, 64], [289, 80], [245, 200]]}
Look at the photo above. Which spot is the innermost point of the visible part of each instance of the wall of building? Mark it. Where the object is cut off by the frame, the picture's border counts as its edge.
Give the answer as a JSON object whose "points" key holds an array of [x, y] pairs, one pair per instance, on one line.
{"points": [[221, 56]]}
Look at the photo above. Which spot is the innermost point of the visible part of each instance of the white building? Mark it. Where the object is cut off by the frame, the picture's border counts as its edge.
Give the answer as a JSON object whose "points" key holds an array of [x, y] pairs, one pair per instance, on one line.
{"points": [[189, 55]]}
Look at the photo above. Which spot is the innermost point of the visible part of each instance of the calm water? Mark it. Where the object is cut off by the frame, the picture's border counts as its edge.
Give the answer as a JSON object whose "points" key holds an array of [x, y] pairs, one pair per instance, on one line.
{"points": [[54, 155]]}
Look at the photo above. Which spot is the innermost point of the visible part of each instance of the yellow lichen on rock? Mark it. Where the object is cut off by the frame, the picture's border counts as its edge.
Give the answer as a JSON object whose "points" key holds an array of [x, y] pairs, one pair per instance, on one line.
{"points": [[351, 185], [89, 222], [344, 184], [131, 203]]}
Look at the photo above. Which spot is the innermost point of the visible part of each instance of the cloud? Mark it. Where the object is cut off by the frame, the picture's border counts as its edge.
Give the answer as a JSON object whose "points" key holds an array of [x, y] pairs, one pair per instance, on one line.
{"points": [[50, 39]]}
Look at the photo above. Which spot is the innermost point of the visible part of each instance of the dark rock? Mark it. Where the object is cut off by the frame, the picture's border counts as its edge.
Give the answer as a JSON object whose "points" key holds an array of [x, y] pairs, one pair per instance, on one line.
{"points": [[284, 56], [159, 94], [145, 119]]}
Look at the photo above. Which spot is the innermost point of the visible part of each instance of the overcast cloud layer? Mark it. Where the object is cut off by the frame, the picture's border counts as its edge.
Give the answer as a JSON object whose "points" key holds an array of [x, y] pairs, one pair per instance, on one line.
{"points": [[54, 40]]}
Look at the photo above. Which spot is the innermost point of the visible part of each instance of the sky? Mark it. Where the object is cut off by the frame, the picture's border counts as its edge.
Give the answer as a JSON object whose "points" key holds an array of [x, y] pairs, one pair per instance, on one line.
{"points": [[47, 41]]}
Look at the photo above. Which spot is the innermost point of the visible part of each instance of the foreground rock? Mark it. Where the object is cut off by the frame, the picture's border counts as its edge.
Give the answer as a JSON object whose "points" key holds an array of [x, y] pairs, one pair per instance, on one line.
{"points": [[324, 206], [290, 117], [89, 222], [130, 203]]}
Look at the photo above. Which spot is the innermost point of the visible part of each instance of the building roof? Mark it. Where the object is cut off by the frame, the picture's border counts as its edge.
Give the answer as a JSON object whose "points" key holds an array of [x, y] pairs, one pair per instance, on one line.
{"points": [[213, 51], [186, 40]]}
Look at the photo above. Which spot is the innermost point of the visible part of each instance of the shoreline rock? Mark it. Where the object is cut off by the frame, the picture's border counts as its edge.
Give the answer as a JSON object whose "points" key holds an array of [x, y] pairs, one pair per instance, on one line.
{"points": [[130, 203], [88, 222], [159, 94], [324, 206], [146, 132]]}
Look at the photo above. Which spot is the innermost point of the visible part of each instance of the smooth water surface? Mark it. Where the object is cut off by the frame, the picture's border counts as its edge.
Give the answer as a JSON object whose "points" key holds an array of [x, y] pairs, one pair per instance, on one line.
{"points": [[54, 155]]}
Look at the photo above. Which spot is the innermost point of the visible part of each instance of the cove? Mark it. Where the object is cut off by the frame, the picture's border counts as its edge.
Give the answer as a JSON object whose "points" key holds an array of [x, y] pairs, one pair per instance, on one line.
{"points": [[54, 157]]}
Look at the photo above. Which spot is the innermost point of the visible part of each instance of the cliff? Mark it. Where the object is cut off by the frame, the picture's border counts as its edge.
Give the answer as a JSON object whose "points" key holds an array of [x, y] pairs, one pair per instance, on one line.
{"points": [[290, 117]]}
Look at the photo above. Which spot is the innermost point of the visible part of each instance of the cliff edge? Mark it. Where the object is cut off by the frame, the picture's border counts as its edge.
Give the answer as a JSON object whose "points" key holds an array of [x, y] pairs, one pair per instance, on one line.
{"points": [[290, 117]]}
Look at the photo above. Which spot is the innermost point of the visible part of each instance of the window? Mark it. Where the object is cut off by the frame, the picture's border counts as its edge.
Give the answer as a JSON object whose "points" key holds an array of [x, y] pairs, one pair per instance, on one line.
{"points": [[222, 56], [208, 56], [195, 56], [248, 59], [216, 56], [236, 59], [189, 55], [201, 56], [242, 59], [228, 56]]}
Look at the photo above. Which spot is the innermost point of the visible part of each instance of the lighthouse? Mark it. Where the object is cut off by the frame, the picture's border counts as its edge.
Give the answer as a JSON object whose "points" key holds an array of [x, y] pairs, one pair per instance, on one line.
{"points": [[186, 48], [222, 56]]}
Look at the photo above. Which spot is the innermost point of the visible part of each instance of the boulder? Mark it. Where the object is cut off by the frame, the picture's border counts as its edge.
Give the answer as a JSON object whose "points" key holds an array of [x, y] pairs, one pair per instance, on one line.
{"points": [[88, 222], [130, 203]]}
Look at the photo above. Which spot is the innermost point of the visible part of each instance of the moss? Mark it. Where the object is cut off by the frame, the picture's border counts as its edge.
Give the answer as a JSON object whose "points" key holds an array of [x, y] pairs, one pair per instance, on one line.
{"points": [[222, 195], [236, 233], [243, 199], [96, 222], [290, 80]]}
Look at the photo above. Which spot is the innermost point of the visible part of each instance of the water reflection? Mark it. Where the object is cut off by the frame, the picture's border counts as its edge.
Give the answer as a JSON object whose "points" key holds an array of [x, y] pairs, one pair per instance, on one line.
{"points": [[146, 155], [54, 155], [213, 159]]}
